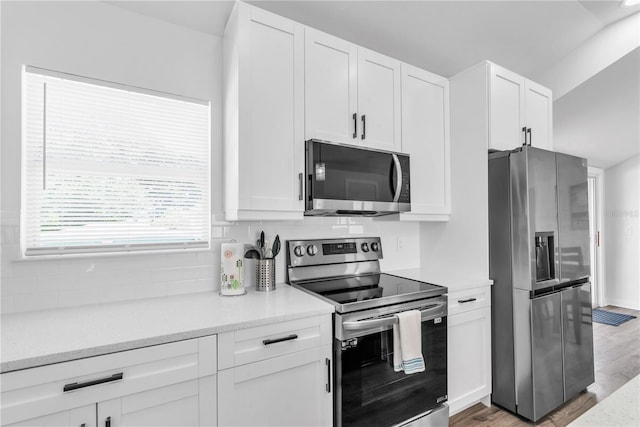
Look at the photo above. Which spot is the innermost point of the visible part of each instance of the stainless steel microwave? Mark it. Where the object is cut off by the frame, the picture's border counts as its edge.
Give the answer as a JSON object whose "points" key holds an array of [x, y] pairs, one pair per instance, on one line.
{"points": [[355, 181]]}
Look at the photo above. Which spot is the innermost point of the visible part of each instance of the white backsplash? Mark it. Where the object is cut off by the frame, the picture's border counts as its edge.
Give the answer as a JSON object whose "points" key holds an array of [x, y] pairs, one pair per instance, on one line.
{"points": [[39, 284]]}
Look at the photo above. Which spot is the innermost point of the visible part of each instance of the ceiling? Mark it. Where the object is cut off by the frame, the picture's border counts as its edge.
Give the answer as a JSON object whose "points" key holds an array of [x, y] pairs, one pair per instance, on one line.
{"points": [[599, 120], [447, 37], [201, 15]]}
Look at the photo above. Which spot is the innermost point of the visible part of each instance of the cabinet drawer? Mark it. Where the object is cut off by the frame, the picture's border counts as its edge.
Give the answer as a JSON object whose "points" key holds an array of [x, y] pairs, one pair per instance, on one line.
{"points": [[44, 390], [469, 299], [263, 342]]}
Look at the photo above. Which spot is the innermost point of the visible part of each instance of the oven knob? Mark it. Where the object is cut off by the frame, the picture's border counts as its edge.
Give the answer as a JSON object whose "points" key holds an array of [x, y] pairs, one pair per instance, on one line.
{"points": [[375, 246], [312, 250], [365, 247], [298, 251]]}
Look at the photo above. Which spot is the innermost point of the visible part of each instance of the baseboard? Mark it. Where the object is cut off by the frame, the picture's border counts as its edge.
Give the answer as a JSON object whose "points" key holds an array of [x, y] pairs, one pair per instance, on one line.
{"points": [[623, 303], [468, 401]]}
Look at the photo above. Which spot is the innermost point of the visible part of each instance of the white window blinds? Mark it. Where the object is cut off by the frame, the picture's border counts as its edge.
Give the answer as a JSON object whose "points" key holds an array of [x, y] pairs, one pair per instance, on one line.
{"points": [[110, 168]]}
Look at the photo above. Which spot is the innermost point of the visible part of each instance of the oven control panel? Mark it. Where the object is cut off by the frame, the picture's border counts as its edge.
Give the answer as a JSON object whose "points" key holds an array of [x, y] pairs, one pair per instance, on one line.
{"points": [[340, 248], [332, 251]]}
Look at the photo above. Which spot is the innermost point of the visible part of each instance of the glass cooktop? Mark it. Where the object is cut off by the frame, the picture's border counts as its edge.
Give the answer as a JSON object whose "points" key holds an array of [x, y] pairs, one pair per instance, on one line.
{"points": [[370, 290]]}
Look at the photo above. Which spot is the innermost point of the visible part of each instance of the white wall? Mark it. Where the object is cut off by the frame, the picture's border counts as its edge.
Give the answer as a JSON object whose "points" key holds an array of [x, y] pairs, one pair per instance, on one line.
{"points": [[620, 237], [97, 40]]}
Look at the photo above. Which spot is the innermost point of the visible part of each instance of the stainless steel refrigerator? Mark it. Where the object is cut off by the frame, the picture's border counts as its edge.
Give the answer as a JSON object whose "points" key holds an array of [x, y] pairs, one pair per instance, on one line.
{"points": [[539, 256]]}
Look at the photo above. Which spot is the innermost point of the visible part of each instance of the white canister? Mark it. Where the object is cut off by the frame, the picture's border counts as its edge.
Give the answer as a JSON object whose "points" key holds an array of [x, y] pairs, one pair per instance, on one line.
{"points": [[232, 269]]}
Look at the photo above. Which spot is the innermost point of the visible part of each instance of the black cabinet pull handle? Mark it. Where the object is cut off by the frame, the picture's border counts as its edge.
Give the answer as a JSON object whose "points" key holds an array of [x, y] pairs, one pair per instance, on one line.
{"points": [[107, 422], [462, 301], [355, 125], [75, 386], [524, 131], [275, 340], [82, 425], [530, 136], [364, 126], [328, 386]]}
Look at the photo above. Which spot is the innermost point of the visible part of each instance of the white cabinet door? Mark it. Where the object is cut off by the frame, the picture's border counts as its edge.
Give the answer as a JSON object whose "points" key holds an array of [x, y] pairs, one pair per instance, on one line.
{"points": [[469, 358], [425, 137], [289, 390], [506, 109], [330, 88], [168, 384], [264, 93], [539, 115], [208, 401], [173, 405], [379, 100], [520, 112], [84, 416], [352, 94]]}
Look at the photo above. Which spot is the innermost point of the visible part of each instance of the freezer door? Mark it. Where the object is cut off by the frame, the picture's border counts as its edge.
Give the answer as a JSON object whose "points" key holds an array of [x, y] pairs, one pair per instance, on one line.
{"points": [[546, 349], [577, 333], [573, 218]]}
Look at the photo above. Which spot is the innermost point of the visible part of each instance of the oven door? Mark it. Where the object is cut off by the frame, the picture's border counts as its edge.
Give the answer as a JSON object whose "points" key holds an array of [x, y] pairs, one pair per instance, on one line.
{"points": [[368, 390]]}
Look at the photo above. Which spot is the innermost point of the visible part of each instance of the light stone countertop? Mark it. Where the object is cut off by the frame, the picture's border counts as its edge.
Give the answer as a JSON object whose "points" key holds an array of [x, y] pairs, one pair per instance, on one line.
{"points": [[621, 408], [40, 338], [453, 281]]}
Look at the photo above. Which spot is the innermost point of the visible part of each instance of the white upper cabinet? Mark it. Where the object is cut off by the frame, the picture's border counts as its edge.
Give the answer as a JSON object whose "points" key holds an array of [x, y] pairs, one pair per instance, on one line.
{"points": [[520, 111], [285, 83], [352, 94], [538, 103], [507, 109], [425, 137], [379, 100], [330, 88], [263, 115]]}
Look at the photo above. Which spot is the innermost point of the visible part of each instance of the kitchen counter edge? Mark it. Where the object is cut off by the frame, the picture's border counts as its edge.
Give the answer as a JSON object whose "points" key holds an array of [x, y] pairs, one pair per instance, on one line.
{"points": [[123, 328]]}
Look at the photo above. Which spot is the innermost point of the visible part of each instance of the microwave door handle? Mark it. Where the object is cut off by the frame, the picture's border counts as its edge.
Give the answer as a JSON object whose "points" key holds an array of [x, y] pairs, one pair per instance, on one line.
{"points": [[398, 167], [385, 321]]}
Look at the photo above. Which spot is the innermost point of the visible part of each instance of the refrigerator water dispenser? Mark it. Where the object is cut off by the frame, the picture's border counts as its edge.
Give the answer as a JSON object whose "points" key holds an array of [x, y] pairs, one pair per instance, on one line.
{"points": [[544, 256]]}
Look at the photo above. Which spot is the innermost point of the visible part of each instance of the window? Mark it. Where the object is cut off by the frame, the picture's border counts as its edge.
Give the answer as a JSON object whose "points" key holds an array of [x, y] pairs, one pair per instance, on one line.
{"points": [[108, 167]]}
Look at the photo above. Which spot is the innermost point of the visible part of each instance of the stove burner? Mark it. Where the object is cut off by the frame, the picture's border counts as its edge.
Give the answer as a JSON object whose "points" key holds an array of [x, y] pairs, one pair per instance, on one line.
{"points": [[346, 273], [349, 291]]}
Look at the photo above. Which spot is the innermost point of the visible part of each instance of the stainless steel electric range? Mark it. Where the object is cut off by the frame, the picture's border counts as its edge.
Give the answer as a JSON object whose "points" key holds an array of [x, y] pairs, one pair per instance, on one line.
{"points": [[346, 273]]}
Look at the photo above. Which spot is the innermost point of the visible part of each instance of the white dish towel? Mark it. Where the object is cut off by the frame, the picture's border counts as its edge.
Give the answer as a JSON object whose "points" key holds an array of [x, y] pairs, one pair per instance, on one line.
{"points": [[407, 343]]}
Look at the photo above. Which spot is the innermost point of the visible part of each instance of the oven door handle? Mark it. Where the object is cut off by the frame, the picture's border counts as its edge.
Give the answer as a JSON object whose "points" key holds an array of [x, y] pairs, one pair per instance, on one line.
{"points": [[386, 320]]}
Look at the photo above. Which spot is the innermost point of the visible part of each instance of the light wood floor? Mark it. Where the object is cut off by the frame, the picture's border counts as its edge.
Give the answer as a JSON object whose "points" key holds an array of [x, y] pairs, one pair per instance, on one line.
{"points": [[617, 360]]}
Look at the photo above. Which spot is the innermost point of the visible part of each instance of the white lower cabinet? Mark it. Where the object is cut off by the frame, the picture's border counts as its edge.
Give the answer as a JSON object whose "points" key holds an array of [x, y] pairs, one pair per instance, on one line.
{"points": [[165, 385], [277, 375], [84, 416], [469, 348], [172, 405], [286, 390]]}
